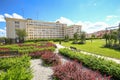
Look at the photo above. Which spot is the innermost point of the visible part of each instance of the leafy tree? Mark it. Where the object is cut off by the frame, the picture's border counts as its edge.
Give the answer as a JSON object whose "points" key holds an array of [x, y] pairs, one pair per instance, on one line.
{"points": [[83, 37], [110, 37], [92, 37], [114, 37], [66, 38], [2, 40], [76, 36], [21, 33], [106, 37], [119, 34]]}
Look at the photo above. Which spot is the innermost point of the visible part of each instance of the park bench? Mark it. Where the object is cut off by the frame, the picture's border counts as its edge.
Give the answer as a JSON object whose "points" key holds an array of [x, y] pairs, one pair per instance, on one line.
{"points": [[73, 48]]}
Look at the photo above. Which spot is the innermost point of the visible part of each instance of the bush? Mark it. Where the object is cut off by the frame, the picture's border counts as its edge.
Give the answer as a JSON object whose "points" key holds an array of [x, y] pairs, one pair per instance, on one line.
{"points": [[15, 68], [74, 71], [36, 54], [29, 48], [50, 59], [95, 63], [75, 42], [81, 43]]}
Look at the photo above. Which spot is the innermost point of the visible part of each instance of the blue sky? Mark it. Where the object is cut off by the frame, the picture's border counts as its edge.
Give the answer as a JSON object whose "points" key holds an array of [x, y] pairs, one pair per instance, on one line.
{"points": [[93, 15]]}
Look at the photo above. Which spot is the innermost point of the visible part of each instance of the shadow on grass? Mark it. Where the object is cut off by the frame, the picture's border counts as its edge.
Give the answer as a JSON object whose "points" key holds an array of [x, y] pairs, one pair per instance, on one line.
{"points": [[116, 48]]}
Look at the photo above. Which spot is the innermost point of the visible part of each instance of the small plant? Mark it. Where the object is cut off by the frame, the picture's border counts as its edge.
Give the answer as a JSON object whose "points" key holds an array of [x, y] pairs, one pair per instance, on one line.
{"points": [[17, 68], [75, 71], [4, 49], [36, 54], [51, 59], [103, 66]]}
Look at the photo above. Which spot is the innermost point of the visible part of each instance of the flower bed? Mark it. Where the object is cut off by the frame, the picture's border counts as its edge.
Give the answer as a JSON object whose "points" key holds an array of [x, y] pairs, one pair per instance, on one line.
{"points": [[17, 68], [4, 49], [50, 59], [100, 64], [28, 48], [74, 71]]}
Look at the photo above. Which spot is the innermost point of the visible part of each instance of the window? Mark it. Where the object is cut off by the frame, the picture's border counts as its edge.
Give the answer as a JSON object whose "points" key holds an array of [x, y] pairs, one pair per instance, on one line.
{"points": [[16, 22]]}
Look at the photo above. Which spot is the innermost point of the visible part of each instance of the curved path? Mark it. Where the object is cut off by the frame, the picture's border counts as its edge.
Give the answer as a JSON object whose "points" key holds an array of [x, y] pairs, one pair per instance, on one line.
{"points": [[40, 72], [107, 58]]}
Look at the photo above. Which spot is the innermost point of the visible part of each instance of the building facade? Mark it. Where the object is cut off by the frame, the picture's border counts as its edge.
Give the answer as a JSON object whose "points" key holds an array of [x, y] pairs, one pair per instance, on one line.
{"points": [[98, 34], [39, 29], [70, 30]]}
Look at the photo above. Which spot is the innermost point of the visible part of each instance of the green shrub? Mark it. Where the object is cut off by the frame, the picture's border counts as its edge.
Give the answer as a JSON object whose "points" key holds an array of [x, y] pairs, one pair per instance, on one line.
{"points": [[15, 68], [95, 63]]}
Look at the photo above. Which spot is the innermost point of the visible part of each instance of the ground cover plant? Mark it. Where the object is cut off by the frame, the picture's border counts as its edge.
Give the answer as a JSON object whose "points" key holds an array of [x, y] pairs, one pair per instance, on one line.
{"points": [[96, 47], [26, 48], [75, 71], [50, 59], [104, 66], [17, 68]]}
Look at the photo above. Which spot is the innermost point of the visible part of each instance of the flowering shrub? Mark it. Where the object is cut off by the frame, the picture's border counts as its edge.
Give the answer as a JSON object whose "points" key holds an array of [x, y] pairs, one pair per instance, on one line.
{"points": [[4, 49], [38, 54], [103, 66], [21, 45], [51, 59], [49, 44], [74, 71], [8, 52]]}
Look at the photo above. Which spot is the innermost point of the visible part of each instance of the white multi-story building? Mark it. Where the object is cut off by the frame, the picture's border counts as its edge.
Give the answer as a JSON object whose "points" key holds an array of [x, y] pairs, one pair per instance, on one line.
{"points": [[39, 29], [70, 30]]}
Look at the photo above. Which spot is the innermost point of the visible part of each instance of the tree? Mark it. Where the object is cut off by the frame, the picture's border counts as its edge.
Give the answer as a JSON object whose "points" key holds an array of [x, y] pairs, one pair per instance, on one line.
{"points": [[66, 38], [105, 36], [21, 33], [83, 37], [119, 34], [114, 37], [92, 37], [76, 36]]}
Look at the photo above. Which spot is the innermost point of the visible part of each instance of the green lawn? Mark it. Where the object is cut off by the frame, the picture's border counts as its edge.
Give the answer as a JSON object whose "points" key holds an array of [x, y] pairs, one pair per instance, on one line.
{"points": [[95, 47]]}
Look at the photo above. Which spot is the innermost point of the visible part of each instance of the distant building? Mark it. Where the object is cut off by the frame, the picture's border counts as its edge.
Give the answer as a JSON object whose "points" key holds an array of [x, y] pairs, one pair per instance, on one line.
{"points": [[38, 29], [70, 30], [98, 34]]}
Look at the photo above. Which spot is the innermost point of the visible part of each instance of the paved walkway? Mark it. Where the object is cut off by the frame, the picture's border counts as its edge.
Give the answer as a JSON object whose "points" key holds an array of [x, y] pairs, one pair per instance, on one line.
{"points": [[107, 58], [40, 72]]}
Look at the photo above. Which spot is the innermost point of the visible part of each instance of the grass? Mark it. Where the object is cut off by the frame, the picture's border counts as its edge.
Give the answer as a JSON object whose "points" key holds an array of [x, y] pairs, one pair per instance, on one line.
{"points": [[95, 47]]}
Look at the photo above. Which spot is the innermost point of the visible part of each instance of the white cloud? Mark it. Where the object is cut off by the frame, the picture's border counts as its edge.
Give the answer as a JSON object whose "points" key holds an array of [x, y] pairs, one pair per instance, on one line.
{"points": [[8, 15], [110, 17], [14, 15], [2, 18], [65, 21], [97, 26], [87, 26], [90, 27]]}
